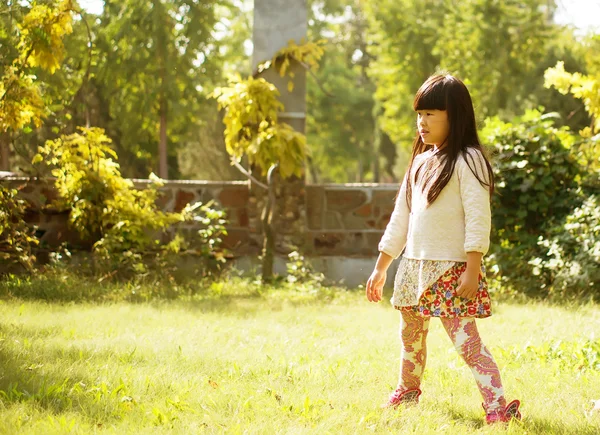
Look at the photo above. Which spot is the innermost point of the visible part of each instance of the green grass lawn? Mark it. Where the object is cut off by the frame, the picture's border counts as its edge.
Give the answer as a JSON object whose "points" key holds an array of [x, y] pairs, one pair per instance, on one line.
{"points": [[263, 364]]}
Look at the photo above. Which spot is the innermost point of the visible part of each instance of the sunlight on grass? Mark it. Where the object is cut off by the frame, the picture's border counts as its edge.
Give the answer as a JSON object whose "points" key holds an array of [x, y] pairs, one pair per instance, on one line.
{"points": [[267, 363]]}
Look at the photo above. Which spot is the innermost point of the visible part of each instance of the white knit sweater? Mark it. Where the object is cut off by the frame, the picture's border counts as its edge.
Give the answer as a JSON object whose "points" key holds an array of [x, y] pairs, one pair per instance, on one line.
{"points": [[457, 222]]}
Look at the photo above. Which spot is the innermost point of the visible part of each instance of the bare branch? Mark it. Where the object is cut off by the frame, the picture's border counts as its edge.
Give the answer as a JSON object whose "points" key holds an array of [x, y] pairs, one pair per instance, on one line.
{"points": [[248, 174], [306, 67]]}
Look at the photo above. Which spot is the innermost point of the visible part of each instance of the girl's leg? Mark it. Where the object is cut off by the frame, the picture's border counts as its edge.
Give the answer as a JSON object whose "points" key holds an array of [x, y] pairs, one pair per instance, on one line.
{"points": [[465, 336], [414, 329]]}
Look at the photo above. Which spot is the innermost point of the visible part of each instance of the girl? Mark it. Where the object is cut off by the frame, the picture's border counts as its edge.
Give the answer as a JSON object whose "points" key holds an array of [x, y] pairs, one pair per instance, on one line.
{"points": [[441, 224]]}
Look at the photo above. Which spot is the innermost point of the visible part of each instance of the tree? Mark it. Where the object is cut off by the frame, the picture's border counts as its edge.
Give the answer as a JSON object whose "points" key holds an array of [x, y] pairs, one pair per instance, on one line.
{"points": [[253, 130], [40, 33], [40, 44], [205, 140], [494, 45], [340, 122], [68, 93], [585, 87], [155, 63]]}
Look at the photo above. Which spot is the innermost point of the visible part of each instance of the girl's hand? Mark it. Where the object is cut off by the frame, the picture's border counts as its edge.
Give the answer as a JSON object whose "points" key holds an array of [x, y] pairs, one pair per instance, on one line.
{"points": [[375, 285], [468, 284]]}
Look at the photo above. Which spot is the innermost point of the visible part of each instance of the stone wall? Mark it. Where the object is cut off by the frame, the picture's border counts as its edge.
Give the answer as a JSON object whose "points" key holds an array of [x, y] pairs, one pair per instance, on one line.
{"points": [[347, 219], [340, 219]]}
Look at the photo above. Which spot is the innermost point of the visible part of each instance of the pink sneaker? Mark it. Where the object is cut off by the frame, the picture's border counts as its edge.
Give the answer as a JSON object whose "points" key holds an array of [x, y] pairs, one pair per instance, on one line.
{"points": [[505, 414], [403, 397]]}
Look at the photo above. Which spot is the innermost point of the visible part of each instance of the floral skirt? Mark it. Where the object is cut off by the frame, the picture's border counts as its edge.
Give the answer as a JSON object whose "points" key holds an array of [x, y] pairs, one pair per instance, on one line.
{"points": [[441, 300]]}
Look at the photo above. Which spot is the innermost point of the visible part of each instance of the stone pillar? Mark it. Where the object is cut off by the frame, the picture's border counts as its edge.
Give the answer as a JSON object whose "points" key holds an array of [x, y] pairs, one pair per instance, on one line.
{"points": [[275, 23]]}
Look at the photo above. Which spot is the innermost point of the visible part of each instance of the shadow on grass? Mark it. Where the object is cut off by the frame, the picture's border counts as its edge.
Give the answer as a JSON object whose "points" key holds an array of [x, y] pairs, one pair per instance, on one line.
{"points": [[252, 304], [61, 379], [49, 379], [236, 295]]}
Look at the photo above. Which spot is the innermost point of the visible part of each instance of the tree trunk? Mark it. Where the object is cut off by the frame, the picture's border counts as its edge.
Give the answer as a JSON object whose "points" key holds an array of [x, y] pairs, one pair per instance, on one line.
{"points": [[361, 164], [376, 144], [376, 152], [268, 252], [4, 152], [160, 16], [163, 169], [312, 170]]}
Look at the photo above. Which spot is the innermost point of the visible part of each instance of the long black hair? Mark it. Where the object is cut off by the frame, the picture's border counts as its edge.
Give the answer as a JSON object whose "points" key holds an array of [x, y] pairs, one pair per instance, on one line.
{"points": [[446, 92]]}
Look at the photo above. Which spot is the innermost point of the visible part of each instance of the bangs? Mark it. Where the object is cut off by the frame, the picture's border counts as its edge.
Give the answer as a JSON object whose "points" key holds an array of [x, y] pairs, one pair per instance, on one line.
{"points": [[431, 95]]}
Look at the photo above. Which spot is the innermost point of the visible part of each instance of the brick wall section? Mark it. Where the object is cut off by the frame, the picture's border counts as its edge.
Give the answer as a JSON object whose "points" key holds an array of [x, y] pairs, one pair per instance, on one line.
{"points": [[322, 220]]}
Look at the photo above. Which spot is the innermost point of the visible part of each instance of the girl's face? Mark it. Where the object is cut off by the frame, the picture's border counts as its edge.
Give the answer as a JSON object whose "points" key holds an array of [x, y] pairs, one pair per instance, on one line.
{"points": [[433, 126]]}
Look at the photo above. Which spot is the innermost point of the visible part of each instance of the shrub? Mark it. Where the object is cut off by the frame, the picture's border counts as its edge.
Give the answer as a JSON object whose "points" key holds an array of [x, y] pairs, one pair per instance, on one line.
{"points": [[536, 180], [16, 237], [299, 270], [122, 223], [573, 265]]}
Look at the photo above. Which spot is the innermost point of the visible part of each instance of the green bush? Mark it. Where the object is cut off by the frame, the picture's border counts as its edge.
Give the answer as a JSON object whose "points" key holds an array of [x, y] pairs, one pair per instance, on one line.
{"points": [[16, 237], [300, 271], [124, 226], [536, 182], [573, 265]]}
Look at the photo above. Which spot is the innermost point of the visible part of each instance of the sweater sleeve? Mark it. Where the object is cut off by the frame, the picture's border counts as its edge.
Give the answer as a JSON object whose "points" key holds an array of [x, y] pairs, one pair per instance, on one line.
{"points": [[476, 202], [394, 237]]}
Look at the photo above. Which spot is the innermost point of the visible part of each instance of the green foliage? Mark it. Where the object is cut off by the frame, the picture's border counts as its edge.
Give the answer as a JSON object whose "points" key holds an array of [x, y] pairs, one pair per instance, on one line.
{"points": [[581, 86], [213, 228], [252, 127], [104, 205], [42, 33], [123, 223], [574, 252], [40, 43], [307, 53], [105, 208], [16, 237], [340, 124], [155, 58], [300, 271], [585, 87], [494, 45], [577, 356], [536, 181]]}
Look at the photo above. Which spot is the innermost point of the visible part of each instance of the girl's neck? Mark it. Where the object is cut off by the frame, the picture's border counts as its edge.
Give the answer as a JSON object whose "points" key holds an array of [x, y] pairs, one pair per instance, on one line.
{"points": [[437, 148]]}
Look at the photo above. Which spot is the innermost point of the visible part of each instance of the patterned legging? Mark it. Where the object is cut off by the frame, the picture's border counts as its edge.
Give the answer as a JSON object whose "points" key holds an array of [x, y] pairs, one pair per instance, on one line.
{"points": [[465, 337]]}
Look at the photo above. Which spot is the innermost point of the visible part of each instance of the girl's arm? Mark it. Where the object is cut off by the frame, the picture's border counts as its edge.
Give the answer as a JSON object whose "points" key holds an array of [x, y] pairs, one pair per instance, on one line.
{"points": [[394, 238], [476, 205], [391, 245], [383, 262]]}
